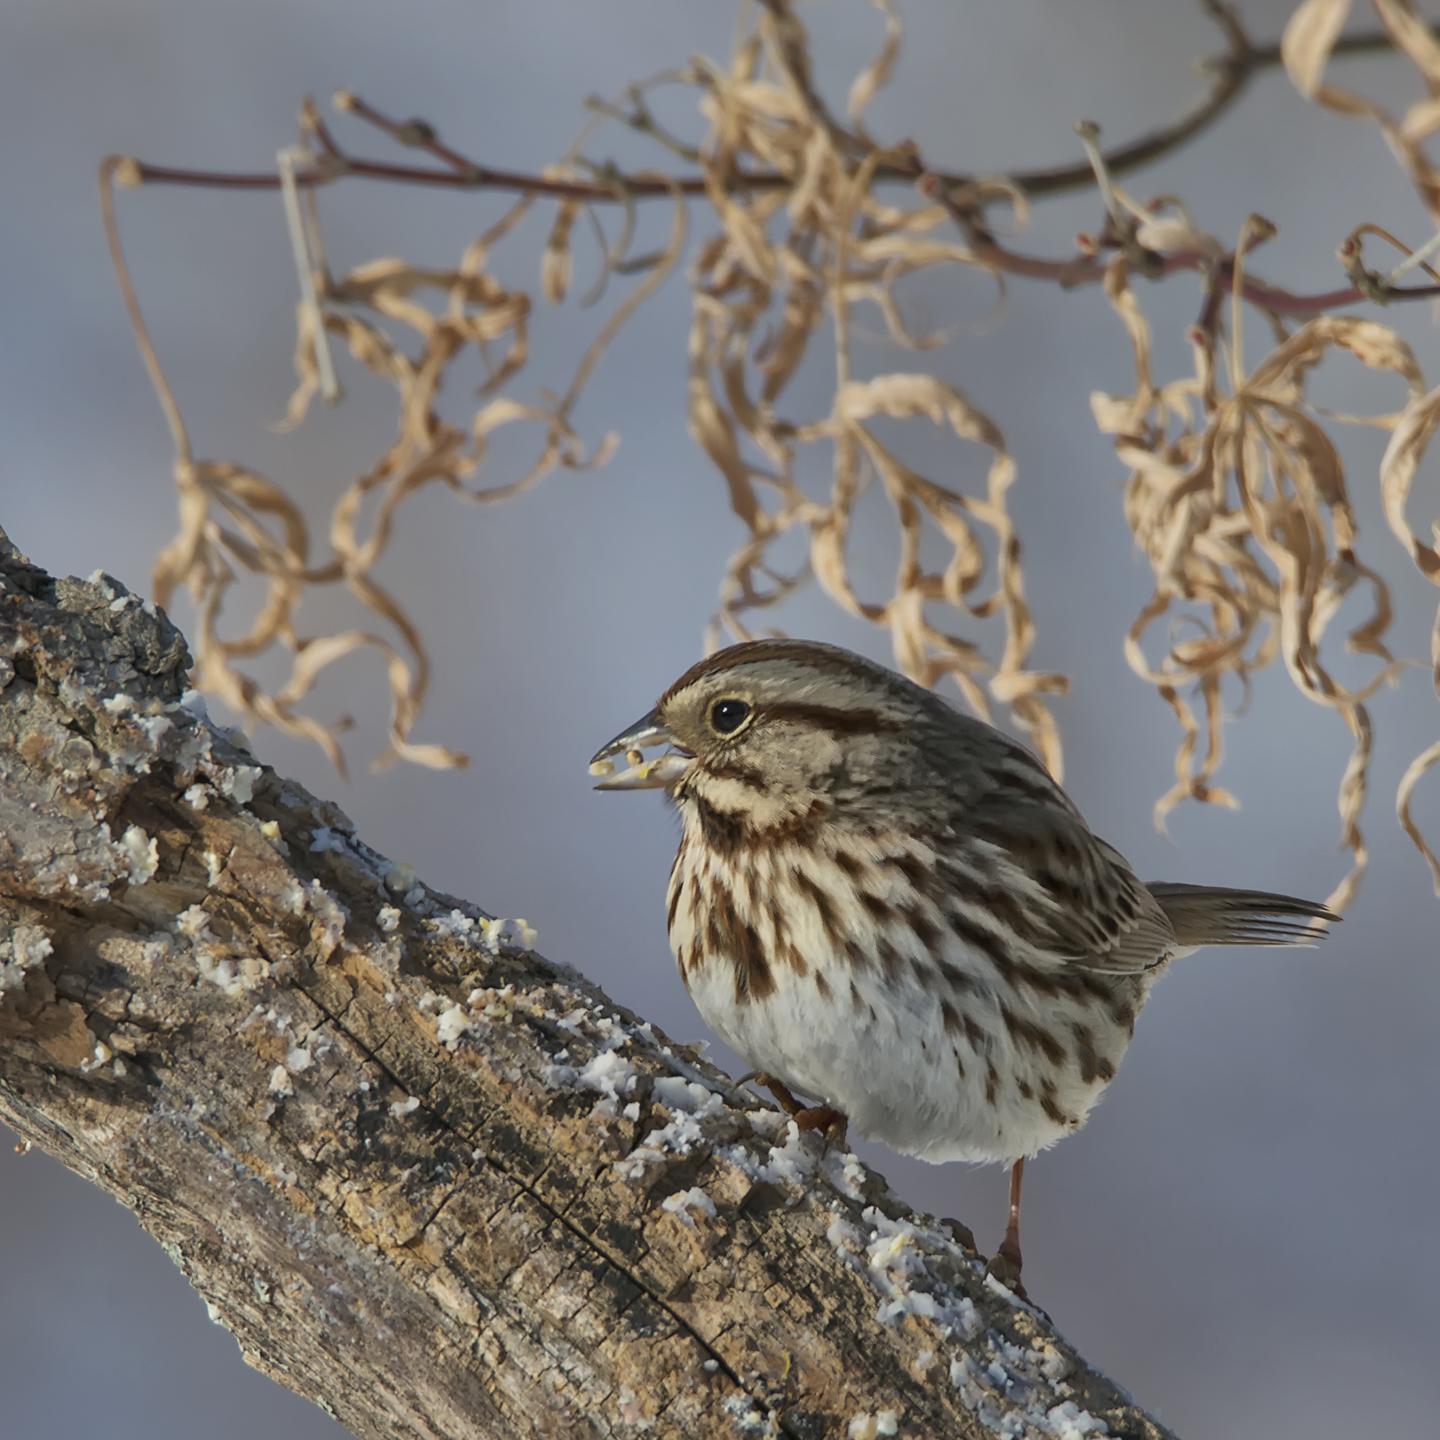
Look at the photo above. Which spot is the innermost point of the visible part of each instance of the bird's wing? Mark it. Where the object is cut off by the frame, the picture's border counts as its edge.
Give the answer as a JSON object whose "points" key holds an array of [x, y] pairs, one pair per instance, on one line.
{"points": [[1076, 900], [1083, 904]]}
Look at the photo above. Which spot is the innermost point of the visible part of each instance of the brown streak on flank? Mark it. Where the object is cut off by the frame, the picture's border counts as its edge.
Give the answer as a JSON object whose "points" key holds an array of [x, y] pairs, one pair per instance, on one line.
{"points": [[820, 899], [677, 889], [950, 1018], [992, 1083], [856, 999], [1123, 1013], [954, 976], [975, 1034], [914, 870], [857, 954], [1086, 1053], [822, 985], [889, 958], [1048, 983], [735, 938], [1036, 1036], [1026, 1089], [1051, 1107], [785, 948], [926, 931], [978, 938], [1009, 911], [851, 866], [877, 906]]}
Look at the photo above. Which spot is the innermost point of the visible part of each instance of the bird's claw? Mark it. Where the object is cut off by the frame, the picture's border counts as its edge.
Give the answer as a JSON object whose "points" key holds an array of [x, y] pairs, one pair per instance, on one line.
{"points": [[1004, 1266], [831, 1124]]}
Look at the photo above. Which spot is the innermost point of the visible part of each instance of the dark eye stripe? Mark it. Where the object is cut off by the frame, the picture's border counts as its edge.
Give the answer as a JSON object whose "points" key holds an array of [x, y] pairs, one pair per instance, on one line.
{"points": [[833, 719]]}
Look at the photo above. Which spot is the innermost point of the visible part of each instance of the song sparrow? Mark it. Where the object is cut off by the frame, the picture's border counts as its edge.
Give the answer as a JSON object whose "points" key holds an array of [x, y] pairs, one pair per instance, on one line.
{"points": [[891, 907]]}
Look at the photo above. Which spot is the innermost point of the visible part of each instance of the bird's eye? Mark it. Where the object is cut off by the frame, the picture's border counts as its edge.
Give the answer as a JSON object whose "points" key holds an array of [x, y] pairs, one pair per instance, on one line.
{"points": [[727, 716]]}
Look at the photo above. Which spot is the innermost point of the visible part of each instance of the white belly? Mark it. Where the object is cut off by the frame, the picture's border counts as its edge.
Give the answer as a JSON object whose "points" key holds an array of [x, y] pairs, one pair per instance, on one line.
{"points": [[940, 1070]]}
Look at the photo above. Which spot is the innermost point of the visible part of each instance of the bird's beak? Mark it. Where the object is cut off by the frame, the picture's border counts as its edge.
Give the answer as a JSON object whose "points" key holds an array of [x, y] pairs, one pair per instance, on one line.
{"points": [[641, 774]]}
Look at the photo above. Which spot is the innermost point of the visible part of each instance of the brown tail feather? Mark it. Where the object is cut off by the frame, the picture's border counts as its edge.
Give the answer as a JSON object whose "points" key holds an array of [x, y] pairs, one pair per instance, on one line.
{"points": [[1213, 915]]}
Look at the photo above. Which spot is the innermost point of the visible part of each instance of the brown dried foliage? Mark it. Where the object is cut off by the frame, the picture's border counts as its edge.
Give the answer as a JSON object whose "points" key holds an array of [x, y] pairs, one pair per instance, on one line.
{"points": [[1236, 493]]}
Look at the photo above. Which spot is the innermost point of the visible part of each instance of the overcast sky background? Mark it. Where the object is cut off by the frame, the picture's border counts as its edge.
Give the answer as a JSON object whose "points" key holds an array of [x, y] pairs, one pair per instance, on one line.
{"points": [[1244, 1234]]}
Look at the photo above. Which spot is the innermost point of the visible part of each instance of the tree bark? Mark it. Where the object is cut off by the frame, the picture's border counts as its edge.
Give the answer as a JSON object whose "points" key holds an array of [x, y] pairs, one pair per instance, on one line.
{"points": [[434, 1182]]}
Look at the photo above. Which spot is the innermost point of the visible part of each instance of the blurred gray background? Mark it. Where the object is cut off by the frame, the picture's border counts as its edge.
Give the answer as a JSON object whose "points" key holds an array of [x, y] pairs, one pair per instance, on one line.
{"points": [[1245, 1233]]}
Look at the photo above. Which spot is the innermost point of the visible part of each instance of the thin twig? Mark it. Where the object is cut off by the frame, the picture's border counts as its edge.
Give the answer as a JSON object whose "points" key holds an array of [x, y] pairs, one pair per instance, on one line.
{"points": [[1089, 270], [1232, 72]]}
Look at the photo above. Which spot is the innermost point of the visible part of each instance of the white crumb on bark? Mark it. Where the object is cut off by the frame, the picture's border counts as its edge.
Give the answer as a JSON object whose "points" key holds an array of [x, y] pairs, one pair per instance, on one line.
{"points": [[29, 947], [193, 923], [686, 1204], [451, 1026], [155, 726], [1068, 1422], [498, 935], [408, 1106], [388, 919], [239, 783], [142, 852], [869, 1427], [102, 1054]]}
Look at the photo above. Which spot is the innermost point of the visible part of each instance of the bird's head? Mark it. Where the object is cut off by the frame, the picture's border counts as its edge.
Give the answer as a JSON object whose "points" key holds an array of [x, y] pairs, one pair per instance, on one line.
{"points": [[772, 723]]}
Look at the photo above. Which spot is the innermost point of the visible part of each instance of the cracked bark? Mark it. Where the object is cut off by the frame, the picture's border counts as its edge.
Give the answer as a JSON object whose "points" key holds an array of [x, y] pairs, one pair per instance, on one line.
{"points": [[419, 1171]]}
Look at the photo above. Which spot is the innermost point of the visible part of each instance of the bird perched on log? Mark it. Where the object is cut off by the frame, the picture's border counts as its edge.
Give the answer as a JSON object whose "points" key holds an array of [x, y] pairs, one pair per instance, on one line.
{"points": [[891, 908]]}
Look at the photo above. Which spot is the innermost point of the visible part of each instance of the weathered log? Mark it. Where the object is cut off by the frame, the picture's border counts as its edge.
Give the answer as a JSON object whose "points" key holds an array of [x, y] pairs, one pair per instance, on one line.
{"points": [[436, 1183]]}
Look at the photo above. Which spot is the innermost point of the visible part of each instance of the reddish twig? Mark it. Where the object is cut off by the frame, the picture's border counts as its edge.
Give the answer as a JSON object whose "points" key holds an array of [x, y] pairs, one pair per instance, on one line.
{"points": [[1090, 270], [1231, 71]]}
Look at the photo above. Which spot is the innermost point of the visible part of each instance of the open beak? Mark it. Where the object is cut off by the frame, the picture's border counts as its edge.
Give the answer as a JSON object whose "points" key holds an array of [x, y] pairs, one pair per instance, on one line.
{"points": [[641, 774]]}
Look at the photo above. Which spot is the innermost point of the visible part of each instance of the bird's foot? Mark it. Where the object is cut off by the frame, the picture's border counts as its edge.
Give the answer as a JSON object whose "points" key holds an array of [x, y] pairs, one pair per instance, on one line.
{"points": [[784, 1097], [1004, 1265], [829, 1122]]}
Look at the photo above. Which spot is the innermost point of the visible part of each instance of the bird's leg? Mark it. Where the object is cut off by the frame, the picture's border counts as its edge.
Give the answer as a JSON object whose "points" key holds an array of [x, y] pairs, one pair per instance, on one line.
{"points": [[1005, 1266], [778, 1088], [830, 1122]]}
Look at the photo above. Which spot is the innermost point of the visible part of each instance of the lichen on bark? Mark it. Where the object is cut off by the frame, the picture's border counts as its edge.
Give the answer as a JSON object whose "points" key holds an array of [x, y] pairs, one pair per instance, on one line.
{"points": [[431, 1180]]}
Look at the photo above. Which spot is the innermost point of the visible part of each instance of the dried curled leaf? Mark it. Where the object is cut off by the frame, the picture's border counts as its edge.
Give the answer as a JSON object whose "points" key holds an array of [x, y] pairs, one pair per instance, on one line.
{"points": [[1240, 504], [1412, 435], [763, 292], [1236, 494], [406, 326], [1309, 38]]}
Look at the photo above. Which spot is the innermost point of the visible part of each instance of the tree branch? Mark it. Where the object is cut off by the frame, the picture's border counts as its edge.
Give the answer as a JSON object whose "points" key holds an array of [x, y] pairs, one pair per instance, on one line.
{"points": [[436, 1183], [1230, 73]]}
